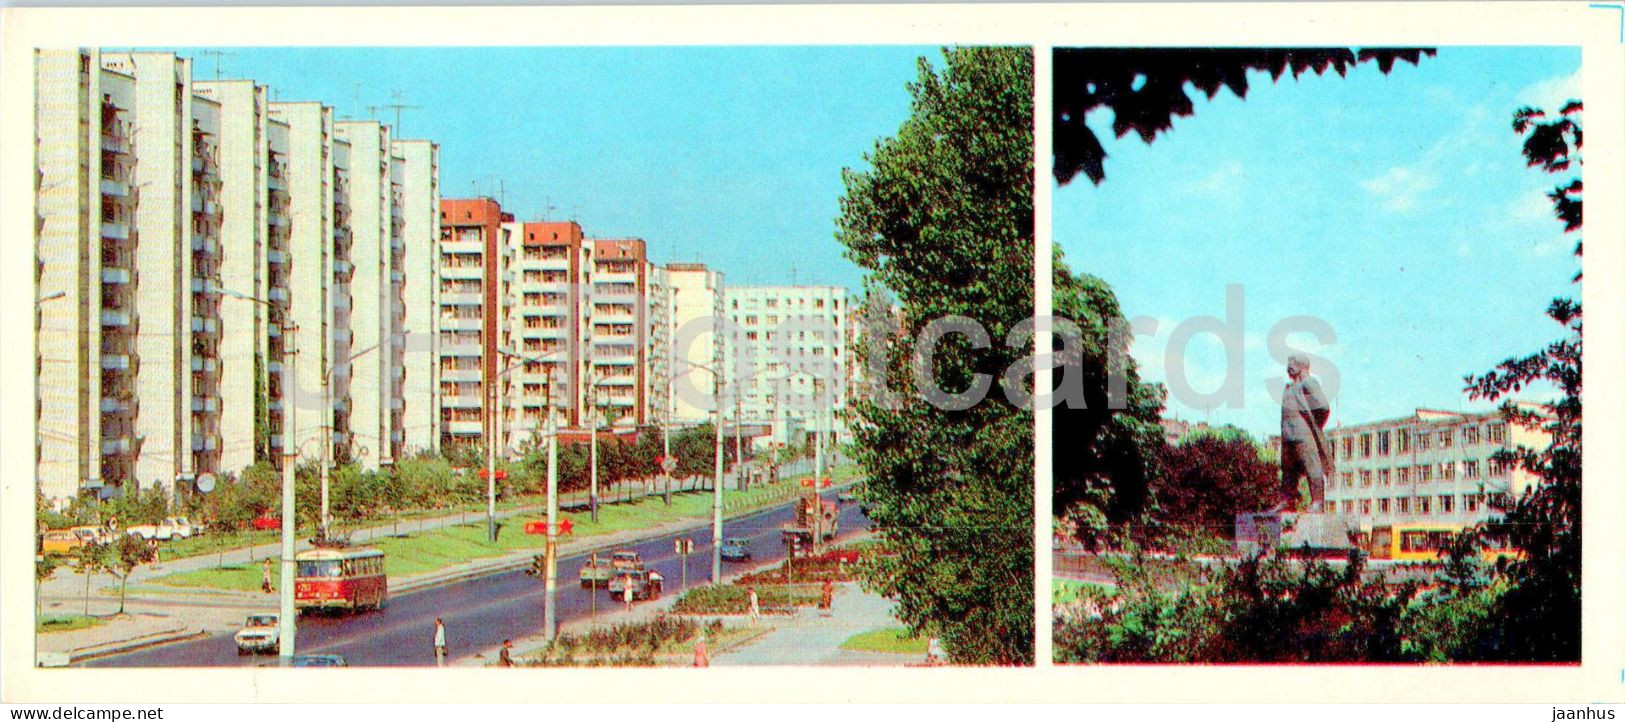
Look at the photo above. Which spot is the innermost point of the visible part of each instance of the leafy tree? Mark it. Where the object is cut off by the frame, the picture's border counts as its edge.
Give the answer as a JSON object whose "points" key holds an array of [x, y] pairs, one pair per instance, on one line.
{"points": [[1145, 88], [1208, 480], [44, 568], [87, 560], [944, 220], [126, 554], [1539, 617], [1102, 480]]}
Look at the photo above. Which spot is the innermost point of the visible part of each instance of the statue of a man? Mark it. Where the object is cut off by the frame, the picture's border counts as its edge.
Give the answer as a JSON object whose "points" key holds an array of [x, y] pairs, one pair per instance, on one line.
{"points": [[1304, 449]]}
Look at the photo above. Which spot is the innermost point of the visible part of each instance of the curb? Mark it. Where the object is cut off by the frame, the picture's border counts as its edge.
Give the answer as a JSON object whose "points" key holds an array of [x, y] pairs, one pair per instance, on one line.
{"points": [[154, 639]]}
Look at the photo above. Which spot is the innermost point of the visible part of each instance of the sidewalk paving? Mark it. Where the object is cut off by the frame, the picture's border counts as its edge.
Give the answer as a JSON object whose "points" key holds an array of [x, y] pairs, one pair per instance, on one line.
{"points": [[813, 637]]}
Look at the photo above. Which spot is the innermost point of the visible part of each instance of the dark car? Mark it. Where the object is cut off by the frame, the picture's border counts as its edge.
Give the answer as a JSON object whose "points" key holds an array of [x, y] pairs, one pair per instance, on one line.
{"points": [[736, 550], [319, 660]]}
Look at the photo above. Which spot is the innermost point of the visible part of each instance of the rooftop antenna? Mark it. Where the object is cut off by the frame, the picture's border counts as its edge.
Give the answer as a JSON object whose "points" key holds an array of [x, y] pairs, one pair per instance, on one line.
{"points": [[397, 106], [217, 54], [547, 207], [502, 191]]}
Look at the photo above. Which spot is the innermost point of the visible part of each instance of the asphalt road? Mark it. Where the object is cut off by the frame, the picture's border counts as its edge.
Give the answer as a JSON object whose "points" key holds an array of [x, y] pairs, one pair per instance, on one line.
{"points": [[480, 613]]}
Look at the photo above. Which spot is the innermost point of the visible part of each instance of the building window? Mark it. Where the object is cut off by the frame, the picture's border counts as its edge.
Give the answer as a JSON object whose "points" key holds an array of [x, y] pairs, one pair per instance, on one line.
{"points": [[1404, 505], [1348, 446], [1365, 507], [1447, 471], [1425, 472], [1469, 435], [1447, 504], [1348, 506], [1382, 443], [1424, 505], [1365, 445], [1447, 437], [1423, 441], [1404, 474], [1472, 501], [1383, 505], [1498, 433], [1348, 479], [1385, 478], [1403, 438], [1365, 477], [1469, 470]]}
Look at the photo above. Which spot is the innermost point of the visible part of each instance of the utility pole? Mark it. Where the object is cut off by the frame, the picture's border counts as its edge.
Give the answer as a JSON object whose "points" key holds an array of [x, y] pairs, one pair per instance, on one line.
{"points": [[551, 585], [491, 453], [716, 484], [592, 462], [665, 457], [739, 455], [287, 617]]}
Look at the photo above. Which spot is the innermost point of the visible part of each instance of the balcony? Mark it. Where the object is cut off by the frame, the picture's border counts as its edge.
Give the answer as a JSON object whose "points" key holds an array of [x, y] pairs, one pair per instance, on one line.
{"points": [[396, 276], [462, 299], [397, 404], [461, 401], [343, 268], [461, 349], [116, 143], [276, 256], [465, 427], [209, 404], [115, 362], [469, 272], [117, 319], [113, 447], [209, 442], [276, 221], [274, 330], [115, 275], [116, 406], [115, 231], [615, 361], [341, 302], [114, 189], [208, 365], [276, 183], [473, 374], [475, 247], [204, 244], [278, 294], [205, 325], [340, 233], [461, 323], [615, 277]]}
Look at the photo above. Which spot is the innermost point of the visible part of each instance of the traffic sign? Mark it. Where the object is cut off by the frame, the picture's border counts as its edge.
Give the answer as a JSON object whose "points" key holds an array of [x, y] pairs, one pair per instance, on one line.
{"points": [[540, 527], [501, 474], [668, 464], [567, 526], [683, 546]]}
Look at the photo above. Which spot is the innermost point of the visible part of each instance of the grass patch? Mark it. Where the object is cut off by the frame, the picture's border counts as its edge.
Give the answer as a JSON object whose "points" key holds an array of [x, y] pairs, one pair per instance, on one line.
{"points": [[60, 623], [630, 644], [891, 640], [234, 577], [1066, 591], [733, 599]]}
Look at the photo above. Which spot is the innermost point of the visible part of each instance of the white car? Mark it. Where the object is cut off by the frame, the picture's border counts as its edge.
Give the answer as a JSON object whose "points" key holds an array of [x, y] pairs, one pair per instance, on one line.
{"points": [[174, 527], [259, 634]]}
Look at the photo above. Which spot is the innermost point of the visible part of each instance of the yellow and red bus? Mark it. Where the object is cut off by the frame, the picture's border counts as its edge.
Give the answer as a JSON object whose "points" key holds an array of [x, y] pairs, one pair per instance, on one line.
{"points": [[340, 578]]}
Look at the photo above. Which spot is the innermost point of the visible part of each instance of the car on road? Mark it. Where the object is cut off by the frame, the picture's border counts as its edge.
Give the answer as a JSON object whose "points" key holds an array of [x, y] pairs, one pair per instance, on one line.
{"points": [[847, 496], [319, 660], [597, 573], [258, 635], [646, 584], [174, 527], [66, 541], [735, 549], [267, 523]]}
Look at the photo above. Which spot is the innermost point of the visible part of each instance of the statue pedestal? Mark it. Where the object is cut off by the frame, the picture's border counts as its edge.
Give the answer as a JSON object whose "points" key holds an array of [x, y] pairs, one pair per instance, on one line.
{"points": [[1267, 530]]}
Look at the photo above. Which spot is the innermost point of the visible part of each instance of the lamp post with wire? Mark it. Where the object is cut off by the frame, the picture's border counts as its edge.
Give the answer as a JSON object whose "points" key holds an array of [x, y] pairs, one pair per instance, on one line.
{"points": [[550, 554], [288, 615], [327, 434]]}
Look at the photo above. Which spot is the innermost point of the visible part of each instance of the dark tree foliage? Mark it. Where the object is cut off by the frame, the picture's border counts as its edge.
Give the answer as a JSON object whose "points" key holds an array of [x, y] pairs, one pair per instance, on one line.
{"points": [[944, 220], [1538, 619], [1208, 480], [1145, 88], [1106, 456]]}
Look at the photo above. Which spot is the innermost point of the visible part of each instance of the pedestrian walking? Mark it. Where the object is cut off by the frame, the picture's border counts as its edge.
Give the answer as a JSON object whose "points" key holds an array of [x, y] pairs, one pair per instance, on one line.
{"points": [[628, 593], [702, 658], [828, 595], [755, 606], [265, 577], [439, 643], [505, 657]]}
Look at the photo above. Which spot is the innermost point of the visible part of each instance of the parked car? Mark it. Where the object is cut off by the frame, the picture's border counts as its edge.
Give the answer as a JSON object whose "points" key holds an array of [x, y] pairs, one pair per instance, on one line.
{"points": [[259, 634], [847, 496], [174, 527], [596, 573], [63, 541], [645, 583], [735, 549], [93, 534], [267, 523], [319, 660]]}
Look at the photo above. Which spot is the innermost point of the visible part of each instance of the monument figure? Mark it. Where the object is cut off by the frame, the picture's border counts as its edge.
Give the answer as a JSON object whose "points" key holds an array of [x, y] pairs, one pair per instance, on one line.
{"points": [[1305, 453]]}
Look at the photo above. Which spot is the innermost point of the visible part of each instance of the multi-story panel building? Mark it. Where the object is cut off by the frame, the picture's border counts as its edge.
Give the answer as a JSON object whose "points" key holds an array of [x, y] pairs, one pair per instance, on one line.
{"points": [[472, 243], [377, 307], [314, 272], [1432, 466], [787, 357], [543, 286], [86, 409], [420, 362], [696, 310], [621, 340]]}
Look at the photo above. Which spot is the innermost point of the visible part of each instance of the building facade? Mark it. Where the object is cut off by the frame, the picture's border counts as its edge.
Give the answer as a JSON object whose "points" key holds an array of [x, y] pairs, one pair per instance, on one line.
{"points": [[472, 250], [1433, 466], [625, 320], [787, 353], [696, 313], [420, 360]]}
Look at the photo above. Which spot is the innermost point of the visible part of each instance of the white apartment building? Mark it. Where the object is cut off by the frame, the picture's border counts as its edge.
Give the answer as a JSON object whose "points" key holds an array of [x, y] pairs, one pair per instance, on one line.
{"points": [[366, 352], [419, 360], [1433, 466], [696, 312], [128, 247], [788, 357], [468, 315]]}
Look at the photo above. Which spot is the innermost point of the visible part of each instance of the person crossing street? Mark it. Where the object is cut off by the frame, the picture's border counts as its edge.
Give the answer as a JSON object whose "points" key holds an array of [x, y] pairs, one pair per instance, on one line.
{"points": [[439, 643]]}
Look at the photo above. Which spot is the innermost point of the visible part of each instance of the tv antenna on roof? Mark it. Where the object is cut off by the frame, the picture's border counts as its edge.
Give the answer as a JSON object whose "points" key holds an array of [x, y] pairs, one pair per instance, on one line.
{"points": [[217, 54], [398, 106]]}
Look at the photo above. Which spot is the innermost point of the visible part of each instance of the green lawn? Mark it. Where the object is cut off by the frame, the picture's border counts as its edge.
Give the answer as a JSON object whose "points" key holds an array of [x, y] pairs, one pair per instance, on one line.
{"points": [[891, 640], [47, 625], [420, 552], [1067, 591]]}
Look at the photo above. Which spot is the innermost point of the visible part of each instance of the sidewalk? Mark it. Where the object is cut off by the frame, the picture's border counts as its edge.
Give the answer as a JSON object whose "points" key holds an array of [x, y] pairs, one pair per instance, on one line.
{"points": [[119, 633], [813, 637]]}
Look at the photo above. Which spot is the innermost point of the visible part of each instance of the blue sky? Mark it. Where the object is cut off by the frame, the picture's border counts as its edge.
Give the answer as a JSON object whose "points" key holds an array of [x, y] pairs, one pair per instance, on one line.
{"points": [[729, 156], [1396, 208]]}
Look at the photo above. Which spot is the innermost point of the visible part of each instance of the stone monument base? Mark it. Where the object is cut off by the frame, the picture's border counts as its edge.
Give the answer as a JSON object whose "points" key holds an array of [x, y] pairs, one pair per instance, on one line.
{"points": [[1264, 531]]}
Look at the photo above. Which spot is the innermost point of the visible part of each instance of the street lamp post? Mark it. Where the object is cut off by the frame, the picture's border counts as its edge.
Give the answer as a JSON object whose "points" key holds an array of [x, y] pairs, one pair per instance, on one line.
{"points": [[327, 435], [716, 486], [550, 578], [288, 616]]}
